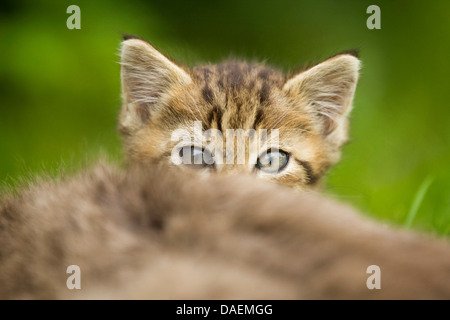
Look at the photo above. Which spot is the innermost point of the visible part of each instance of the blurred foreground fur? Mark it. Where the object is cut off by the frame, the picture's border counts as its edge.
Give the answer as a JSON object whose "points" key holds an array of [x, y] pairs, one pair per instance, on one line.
{"points": [[153, 234]]}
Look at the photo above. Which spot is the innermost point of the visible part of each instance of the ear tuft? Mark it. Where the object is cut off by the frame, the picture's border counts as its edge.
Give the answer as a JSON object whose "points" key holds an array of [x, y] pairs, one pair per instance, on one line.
{"points": [[351, 52], [126, 36]]}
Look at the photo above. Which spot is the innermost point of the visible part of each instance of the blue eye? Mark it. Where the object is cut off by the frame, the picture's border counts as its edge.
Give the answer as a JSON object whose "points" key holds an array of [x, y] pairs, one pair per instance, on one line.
{"points": [[272, 161], [196, 157]]}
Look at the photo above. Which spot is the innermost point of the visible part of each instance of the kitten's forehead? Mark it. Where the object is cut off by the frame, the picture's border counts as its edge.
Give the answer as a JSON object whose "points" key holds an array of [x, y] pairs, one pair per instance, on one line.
{"points": [[237, 75], [234, 93]]}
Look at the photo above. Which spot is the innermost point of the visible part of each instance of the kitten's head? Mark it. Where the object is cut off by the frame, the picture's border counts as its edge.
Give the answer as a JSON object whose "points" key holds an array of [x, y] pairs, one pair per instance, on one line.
{"points": [[236, 117]]}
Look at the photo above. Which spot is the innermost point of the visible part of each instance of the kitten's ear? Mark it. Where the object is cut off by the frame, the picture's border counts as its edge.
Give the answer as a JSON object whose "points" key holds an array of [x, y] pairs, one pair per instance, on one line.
{"points": [[327, 91], [147, 76]]}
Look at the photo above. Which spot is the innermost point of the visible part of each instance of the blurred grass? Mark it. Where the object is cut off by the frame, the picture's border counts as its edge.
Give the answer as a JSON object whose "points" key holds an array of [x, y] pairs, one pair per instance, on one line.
{"points": [[418, 199], [60, 88]]}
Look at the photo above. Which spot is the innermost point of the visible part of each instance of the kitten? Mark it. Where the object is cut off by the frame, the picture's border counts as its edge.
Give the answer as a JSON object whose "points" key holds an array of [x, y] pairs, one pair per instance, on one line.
{"points": [[178, 116], [156, 233]]}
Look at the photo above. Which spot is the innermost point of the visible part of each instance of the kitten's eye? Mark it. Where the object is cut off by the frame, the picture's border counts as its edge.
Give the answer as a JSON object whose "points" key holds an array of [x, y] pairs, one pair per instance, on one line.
{"points": [[272, 161], [196, 157]]}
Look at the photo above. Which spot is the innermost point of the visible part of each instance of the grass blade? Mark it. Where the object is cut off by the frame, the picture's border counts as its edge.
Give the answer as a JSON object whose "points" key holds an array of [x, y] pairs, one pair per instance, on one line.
{"points": [[418, 199]]}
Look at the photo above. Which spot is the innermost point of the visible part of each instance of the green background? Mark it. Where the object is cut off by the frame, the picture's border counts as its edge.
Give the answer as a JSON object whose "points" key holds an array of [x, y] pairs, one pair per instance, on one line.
{"points": [[60, 88]]}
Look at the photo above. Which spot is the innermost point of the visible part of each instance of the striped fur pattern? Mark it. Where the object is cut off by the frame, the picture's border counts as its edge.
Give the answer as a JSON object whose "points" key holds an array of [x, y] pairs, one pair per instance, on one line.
{"points": [[309, 109]]}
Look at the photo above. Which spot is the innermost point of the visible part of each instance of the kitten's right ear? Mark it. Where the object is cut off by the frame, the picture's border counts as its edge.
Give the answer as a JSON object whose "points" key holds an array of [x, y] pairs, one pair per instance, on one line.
{"points": [[147, 76]]}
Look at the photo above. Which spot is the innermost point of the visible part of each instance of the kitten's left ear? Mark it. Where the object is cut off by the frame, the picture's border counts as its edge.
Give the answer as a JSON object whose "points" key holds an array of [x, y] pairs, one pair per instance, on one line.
{"points": [[327, 91]]}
